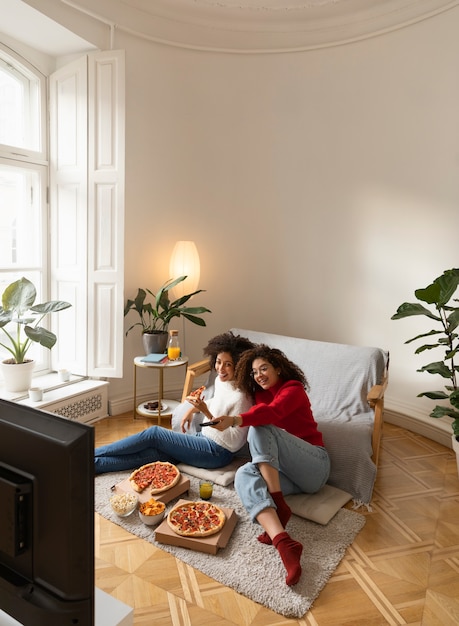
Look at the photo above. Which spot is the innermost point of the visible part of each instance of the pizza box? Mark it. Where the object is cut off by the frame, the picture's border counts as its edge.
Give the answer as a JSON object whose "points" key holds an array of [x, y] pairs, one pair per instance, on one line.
{"points": [[177, 490], [211, 544]]}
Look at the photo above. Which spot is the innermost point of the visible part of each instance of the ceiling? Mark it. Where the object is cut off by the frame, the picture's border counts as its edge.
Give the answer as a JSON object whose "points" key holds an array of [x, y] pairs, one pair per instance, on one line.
{"points": [[226, 25], [27, 25]]}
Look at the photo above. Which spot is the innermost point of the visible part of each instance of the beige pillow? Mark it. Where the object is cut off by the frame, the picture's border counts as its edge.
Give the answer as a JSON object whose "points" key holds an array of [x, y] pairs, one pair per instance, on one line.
{"points": [[318, 507]]}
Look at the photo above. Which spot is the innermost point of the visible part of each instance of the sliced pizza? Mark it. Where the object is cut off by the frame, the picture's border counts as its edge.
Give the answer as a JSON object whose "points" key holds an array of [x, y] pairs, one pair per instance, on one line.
{"points": [[160, 476], [197, 393], [196, 519]]}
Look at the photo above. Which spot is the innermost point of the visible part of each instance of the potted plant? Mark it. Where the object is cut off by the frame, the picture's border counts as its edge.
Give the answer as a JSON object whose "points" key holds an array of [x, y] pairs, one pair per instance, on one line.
{"points": [[156, 315], [446, 317], [18, 308]]}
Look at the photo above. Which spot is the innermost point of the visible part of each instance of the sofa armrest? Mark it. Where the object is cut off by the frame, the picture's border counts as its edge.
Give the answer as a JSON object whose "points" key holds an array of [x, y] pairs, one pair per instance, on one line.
{"points": [[195, 369], [375, 399]]}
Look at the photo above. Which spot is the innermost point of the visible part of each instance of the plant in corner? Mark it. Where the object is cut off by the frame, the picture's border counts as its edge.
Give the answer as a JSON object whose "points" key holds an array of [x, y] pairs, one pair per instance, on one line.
{"points": [[156, 315], [439, 294], [18, 309]]}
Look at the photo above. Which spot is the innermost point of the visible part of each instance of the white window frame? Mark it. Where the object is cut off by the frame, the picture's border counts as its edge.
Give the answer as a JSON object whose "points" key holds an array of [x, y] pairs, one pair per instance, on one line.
{"points": [[91, 196]]}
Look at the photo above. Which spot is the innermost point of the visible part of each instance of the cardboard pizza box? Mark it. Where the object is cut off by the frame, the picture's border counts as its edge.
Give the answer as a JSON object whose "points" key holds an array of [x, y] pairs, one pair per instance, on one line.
{"points": [[211, 545], [177, 490]]}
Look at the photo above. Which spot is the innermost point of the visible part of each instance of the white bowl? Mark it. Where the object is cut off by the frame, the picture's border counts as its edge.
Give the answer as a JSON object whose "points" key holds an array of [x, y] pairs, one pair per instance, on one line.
{"points": [[152, 520], [123, 504]]}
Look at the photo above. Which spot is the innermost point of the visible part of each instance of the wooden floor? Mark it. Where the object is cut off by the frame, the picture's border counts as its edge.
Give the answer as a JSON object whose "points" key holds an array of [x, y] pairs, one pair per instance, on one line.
{"points": [[403, 567]]}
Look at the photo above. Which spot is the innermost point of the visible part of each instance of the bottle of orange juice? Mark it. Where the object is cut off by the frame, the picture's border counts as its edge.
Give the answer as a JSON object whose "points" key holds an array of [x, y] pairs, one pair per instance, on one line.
{"points": [[173, 346]]}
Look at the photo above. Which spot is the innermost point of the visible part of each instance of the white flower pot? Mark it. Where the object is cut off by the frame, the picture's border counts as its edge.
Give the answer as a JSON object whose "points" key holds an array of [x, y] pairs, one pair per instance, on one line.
{"points": [[17, 376], [456, 450]]}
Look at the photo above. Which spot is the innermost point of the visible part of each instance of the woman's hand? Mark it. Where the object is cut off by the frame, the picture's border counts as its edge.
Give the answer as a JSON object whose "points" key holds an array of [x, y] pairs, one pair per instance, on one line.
{"points": [[199, 406], [187, 420], [224, 422]]}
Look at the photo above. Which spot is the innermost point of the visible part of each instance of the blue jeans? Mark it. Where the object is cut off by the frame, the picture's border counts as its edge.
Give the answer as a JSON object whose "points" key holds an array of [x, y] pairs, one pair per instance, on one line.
{"points": [[303, 468], [160, 444]]}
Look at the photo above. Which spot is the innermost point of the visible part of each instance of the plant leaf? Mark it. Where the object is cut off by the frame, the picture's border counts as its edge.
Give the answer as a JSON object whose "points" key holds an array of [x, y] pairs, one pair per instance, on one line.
{"points": [[413, 308], [453, 320], [50, 307], [43, 336], [434, 395], [19, 296], [444, 411], [426, 347], [429, 334], [196, 320], [438, 367]]}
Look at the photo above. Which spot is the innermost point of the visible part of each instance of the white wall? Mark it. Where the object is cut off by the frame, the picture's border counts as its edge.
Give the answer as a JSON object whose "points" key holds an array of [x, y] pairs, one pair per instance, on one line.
{"points": [[320, 187]]}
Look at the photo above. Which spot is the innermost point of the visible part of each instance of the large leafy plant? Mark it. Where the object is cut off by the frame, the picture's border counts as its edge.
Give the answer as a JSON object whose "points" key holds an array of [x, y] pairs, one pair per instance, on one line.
{"points": [[446, 316], [18, 309], [156, 315]]}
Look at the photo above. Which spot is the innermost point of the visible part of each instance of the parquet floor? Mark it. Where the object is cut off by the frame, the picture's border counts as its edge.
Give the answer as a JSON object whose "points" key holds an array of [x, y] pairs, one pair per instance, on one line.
{"points": [[403, 567]]}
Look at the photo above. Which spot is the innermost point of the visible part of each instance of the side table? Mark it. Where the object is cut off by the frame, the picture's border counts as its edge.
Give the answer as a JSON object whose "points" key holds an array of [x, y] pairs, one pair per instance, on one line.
{"points": [[160, 368]]}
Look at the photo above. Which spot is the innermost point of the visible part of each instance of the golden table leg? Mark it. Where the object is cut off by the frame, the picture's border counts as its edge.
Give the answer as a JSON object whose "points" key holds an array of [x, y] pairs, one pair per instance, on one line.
{"points": [[160, 394]]}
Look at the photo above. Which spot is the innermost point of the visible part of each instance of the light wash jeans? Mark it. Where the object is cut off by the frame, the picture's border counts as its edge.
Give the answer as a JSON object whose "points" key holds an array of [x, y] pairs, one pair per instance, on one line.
{"points": [[160, 444], [303, 468]]}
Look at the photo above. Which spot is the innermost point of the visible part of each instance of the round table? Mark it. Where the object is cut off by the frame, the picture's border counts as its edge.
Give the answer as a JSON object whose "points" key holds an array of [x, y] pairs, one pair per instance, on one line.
{"points": [[170, 405]]}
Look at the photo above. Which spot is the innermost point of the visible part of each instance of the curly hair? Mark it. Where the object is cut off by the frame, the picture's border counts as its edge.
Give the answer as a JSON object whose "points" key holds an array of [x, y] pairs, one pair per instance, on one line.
{"points": [[227, 342], [288, 370]]}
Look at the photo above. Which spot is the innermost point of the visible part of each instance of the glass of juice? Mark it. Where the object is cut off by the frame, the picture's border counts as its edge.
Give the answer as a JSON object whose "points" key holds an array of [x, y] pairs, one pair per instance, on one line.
{"points": [[206, 488]]}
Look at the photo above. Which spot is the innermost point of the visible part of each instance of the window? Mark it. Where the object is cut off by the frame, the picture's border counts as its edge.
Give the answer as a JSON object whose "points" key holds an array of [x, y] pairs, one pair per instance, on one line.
{"points": [[23, 183], [63, 246], [20, 88]]}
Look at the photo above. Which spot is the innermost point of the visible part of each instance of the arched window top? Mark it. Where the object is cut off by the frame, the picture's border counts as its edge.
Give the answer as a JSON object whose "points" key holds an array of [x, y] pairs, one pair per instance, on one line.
{"points": [[21, 93]]}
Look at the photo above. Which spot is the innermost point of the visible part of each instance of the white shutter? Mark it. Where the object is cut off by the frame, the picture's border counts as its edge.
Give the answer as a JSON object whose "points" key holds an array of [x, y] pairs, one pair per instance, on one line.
{"points": [[106, 213], [93, 276], [68, 213]]}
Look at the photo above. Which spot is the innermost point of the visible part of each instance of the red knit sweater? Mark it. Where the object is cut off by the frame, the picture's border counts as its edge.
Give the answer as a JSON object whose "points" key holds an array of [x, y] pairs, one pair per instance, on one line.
{"points": [[287, 406]]}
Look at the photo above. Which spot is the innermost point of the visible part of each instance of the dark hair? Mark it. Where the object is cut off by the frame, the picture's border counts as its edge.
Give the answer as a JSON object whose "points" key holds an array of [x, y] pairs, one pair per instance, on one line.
{"points": [[227, 342], [288, 370]]}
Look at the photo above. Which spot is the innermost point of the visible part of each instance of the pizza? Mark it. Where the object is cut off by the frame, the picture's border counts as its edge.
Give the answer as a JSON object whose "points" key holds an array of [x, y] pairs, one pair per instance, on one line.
{"points": [[196, 519], [159, 475], [197, 392]]}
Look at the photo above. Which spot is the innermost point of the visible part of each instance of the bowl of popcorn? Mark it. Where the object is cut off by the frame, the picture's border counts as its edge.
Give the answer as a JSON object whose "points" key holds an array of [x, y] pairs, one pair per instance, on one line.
{"points": [[123, 504], [151, 512]]}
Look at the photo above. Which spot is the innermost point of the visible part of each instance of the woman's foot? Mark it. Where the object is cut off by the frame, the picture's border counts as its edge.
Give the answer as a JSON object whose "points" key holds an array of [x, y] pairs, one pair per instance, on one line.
{"points": [[290, 552], [283, 513]]}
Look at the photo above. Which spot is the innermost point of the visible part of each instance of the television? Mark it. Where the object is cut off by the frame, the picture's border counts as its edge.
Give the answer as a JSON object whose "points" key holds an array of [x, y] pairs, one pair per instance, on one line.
{"points": [[46, 518]]}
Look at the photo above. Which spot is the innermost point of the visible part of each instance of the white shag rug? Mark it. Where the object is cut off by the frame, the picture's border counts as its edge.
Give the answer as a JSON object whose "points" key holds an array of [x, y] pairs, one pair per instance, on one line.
{"points": [[250, 568]]}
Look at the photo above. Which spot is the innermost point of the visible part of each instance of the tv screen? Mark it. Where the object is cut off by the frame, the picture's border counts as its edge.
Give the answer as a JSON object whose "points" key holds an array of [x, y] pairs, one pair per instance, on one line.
{"points": [[46, 518]]}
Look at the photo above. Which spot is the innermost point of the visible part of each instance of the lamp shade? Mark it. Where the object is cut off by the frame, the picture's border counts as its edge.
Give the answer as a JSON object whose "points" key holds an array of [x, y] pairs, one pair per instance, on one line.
{"points": [[185, 262]]}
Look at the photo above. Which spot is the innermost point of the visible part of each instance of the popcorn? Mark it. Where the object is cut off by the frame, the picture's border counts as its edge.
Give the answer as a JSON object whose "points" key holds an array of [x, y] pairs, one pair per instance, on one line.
{"points": [[123, 503]]}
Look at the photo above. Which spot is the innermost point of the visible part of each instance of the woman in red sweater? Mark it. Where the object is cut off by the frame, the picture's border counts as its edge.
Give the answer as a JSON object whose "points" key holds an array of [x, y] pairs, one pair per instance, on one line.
{"points": [[288, 454]]}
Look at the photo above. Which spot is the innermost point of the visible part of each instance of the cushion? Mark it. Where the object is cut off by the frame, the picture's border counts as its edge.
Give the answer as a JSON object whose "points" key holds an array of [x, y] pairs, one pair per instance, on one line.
{"points": [[223, 476], [318, 507]]}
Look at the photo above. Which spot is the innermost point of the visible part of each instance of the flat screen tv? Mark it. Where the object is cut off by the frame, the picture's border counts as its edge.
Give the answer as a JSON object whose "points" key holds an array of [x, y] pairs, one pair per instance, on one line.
{"points": [[46, 518]]}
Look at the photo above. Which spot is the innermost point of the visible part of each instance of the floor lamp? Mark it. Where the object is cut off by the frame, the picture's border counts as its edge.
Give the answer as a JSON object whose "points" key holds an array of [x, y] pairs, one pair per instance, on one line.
{"points": [[185, 262]]}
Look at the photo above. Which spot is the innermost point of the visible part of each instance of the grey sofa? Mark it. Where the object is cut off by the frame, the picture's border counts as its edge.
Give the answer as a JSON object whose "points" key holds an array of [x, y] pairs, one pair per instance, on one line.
{"points": [[346, 389]]}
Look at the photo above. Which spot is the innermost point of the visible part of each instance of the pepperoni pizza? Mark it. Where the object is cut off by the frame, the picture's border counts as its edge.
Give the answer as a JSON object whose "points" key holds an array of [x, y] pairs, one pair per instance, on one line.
{"points": [[160, 476], [196, 519], [196, 394]]}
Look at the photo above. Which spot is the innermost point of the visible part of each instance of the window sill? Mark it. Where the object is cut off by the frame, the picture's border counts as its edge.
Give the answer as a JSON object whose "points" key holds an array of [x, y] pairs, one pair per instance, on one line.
{"points": [[80, 398]]}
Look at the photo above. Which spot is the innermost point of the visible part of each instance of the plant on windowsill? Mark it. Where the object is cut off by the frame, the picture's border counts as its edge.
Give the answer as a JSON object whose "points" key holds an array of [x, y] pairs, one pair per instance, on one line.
{"points": [[440, 294], [155, 316], [18, 309]]}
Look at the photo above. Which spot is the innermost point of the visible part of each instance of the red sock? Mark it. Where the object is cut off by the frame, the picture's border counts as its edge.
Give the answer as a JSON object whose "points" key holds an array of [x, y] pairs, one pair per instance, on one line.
{"points": [[290, 553], [283, 513]]}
